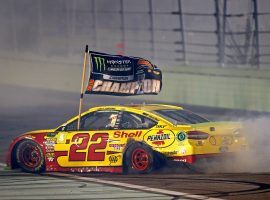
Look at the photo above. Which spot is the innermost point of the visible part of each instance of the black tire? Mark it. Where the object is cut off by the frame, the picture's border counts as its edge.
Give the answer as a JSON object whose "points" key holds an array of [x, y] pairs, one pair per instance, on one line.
{"points": [[139, 159], [29, 156]]}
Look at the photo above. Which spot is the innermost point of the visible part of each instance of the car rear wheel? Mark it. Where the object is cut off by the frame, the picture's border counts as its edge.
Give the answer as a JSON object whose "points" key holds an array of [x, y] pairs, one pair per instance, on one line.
{"points": [[139, 159], [29, 156]]}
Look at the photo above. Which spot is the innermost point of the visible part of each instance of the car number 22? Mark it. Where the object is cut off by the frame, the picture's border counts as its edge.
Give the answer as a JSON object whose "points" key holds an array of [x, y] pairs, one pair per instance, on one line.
{"points": [[75, 153]]}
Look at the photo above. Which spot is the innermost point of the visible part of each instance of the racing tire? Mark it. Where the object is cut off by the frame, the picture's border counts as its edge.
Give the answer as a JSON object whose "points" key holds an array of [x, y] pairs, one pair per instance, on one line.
{"points": [[29, 157], [139, 159]]}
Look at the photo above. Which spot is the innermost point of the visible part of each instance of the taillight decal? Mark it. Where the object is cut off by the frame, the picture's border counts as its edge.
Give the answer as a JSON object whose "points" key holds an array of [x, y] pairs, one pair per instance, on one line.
{"points": [[197, 135]]}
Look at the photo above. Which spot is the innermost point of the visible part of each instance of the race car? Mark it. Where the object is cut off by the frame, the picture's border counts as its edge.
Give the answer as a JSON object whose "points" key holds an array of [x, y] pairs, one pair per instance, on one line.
{"points": [[126, 138]]}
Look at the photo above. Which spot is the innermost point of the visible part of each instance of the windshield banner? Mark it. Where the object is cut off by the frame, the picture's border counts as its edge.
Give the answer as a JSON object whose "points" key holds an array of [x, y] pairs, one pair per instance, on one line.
{"points": [[122, 75]]}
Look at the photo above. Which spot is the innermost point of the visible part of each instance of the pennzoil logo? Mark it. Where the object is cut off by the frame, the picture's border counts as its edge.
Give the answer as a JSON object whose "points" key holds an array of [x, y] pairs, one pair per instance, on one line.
{"points": [[160, 138], [100, 63]]}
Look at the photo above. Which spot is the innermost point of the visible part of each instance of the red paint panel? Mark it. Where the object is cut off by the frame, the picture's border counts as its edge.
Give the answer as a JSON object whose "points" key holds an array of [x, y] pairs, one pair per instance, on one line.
{"points": [[92, 154], [74, 155]]}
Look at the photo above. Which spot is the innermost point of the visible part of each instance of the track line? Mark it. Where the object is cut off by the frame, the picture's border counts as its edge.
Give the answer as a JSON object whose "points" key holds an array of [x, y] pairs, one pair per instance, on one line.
{"points": [[3, 165], [132, 186], [127, 185]]}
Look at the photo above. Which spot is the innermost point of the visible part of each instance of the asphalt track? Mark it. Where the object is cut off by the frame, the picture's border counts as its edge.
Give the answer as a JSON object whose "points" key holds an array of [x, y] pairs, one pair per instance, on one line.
{"points": [[24, 109]]}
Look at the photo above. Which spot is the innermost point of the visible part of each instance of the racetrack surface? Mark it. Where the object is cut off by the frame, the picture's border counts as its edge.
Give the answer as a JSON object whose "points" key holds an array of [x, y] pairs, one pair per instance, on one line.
{"points": [[224, 186], [25, 109]]}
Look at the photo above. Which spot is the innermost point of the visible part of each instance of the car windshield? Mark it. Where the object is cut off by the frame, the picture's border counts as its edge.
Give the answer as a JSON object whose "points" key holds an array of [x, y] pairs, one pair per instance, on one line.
{"points": [[177, 116]]}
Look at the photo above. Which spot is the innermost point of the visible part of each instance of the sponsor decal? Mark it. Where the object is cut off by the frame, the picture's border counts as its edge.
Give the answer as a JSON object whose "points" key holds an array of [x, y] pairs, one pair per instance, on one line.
{"points": [[49, 144], [183, 151], [181, 136], [115, 68], [180, 159], [161, 138], [49, 148], [170, 153], [123, 134], [61, 138], [107, 108], [30, 137], [112, 152], [51, 134], [50, 141], [112, 63], [50, 157], [99, 63], [114, 159], [161, 126], [111, 140], [117, 146], [199, 143]]}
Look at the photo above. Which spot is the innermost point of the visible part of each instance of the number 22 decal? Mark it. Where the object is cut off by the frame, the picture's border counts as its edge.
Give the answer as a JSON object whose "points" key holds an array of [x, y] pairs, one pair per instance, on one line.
{"points": [[92, 155]]}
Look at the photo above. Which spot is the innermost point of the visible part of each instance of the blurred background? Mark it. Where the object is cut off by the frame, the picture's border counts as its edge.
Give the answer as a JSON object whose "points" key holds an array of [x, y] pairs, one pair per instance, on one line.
{"points": [[213, 53]]}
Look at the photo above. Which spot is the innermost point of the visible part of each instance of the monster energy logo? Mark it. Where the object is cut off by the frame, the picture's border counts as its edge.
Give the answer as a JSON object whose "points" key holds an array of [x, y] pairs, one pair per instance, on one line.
{"points": [[100, 63]]}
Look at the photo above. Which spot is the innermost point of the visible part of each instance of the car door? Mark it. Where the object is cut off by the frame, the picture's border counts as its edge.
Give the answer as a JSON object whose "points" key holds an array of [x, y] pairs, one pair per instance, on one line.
{"points": [[146, 130], [88, 146], [132, 125]]}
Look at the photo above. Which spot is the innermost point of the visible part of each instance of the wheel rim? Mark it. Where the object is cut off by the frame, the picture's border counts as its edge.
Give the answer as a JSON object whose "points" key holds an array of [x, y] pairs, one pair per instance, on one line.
{"points": [[30, 156], [140, 159]]}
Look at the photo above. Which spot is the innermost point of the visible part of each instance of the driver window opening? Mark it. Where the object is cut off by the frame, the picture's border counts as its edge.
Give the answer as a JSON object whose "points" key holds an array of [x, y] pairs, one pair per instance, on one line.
{"points": [[135, 121], [99, 120]]}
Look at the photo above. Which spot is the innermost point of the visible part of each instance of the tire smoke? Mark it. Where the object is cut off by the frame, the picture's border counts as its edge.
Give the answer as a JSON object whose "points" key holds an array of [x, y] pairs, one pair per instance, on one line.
{"points": [[256, 158]]}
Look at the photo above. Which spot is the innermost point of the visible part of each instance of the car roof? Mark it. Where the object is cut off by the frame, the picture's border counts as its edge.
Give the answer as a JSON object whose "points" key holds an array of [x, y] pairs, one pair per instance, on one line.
{"points": [[144, 107]]}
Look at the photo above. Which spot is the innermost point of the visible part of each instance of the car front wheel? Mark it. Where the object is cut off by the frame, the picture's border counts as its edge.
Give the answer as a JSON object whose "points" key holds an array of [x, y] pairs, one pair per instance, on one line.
{"points": [[29, 156], [139, 159]]}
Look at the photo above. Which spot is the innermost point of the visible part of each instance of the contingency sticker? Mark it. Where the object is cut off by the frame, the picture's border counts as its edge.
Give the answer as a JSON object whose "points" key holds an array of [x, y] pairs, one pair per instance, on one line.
{"points": [[61, 138]]}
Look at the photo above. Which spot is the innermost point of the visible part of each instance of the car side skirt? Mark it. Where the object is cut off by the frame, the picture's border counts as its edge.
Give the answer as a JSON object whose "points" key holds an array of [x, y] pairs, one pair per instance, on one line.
{"points": [[117, 169], [193, 158]]}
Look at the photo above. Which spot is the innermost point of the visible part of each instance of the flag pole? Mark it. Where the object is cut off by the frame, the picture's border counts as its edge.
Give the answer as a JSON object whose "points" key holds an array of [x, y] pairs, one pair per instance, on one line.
{"points": [[82, 86]]}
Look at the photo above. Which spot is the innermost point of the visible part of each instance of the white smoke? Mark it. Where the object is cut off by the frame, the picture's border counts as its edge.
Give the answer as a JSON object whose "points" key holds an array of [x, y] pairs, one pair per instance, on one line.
{"points": [[257, 158]]}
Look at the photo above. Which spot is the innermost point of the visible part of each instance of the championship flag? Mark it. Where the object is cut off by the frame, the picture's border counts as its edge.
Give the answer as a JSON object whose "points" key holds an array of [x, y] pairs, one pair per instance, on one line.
{"points": [[122, 75]]}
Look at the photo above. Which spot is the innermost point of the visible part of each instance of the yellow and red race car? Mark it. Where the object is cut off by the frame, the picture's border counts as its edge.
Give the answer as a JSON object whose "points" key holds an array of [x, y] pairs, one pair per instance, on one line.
{"points": [[131, 138]]}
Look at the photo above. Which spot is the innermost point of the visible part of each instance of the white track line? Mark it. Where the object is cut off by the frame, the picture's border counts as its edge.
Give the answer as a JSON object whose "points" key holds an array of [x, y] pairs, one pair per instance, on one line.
{"points": [[3, 165], [129, 186], [132, 186]]}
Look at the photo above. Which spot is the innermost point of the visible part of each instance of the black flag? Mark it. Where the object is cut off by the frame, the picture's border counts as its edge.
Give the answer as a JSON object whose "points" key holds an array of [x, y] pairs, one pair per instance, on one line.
{"points": [[122, 75]]}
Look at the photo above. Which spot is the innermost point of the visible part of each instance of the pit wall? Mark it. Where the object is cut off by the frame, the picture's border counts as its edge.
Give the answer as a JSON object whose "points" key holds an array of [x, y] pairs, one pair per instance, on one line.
{"points": [[216, 87]]}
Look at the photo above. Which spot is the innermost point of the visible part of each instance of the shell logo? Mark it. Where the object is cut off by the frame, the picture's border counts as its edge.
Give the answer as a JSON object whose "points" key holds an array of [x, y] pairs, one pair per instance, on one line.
{"points": [[159, 138]]}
